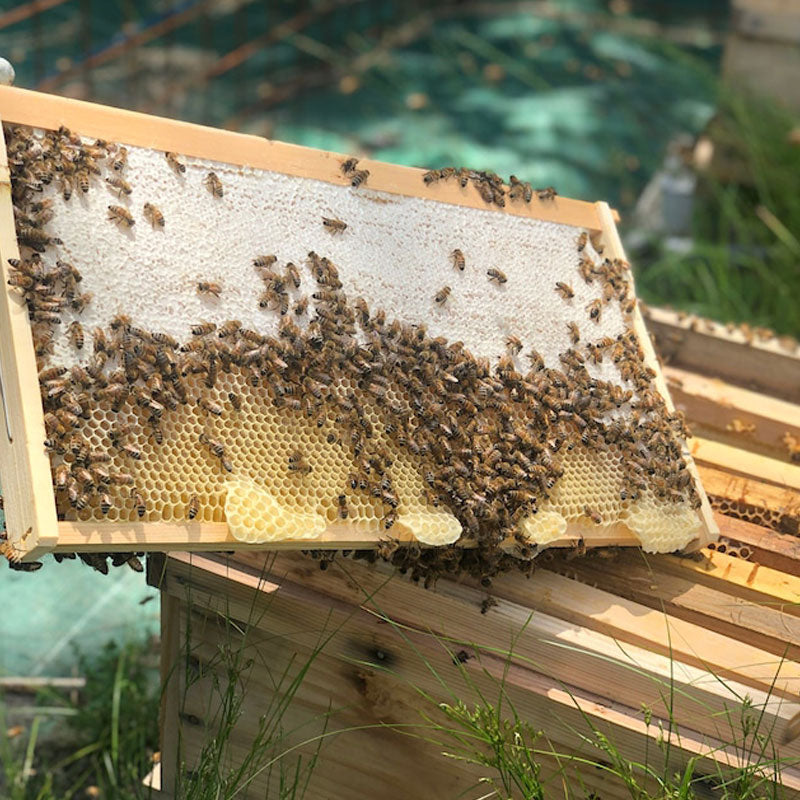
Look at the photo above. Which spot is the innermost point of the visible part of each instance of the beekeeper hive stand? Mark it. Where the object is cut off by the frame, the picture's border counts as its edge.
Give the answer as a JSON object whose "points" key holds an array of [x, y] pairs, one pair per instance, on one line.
{"points": [[397, 249]]}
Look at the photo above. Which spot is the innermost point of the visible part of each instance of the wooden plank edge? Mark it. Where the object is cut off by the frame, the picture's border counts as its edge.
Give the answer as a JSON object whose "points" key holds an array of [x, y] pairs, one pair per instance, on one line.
{"points": [[30, 509], [735, 416], [613, 244], [39, 110], [111, 537], [769, 366]]}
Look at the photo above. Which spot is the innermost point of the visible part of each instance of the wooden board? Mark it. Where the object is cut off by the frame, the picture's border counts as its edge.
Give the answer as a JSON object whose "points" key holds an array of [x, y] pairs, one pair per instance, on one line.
{"points": [[30, 509]]}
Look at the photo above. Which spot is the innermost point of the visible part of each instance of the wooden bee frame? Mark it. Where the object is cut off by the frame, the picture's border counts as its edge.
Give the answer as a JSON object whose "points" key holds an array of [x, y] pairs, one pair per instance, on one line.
{"points": [[33, 527]]}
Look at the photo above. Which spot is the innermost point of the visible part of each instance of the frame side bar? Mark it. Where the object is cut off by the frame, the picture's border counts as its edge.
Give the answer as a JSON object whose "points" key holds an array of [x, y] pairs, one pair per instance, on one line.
{"points": [[30, 508]]}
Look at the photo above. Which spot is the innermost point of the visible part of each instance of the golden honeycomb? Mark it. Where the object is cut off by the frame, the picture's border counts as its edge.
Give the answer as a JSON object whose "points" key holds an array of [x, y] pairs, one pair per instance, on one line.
{"points": [[283, 405]]}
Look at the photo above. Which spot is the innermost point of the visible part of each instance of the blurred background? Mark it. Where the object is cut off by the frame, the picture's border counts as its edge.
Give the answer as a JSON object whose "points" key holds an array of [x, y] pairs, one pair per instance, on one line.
{"points": [[684, 114]]}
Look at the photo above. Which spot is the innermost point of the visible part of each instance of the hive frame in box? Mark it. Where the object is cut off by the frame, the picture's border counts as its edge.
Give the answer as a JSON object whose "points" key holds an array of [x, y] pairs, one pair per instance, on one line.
{"points": [[33, 527]]}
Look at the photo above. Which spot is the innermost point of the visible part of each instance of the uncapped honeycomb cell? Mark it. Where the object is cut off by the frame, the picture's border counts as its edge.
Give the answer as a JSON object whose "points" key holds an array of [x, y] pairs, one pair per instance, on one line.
{"points": [[662, 527], [544, 527]]}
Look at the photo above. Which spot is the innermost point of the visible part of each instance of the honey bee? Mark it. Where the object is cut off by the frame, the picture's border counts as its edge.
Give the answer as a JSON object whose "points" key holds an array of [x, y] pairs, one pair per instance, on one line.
{"points": [[293, 274], [487, 603], [389, 520], [131, 451], [301, 306], [565, 290], [75, 333], [172, 160], [595, 309], [297, 463], [514, 345], [193, 507], [574, 332], [583, 240], [592, 515], [586, 268], [458, 260], [211, 407], [80, 301], [548, 193], [334, 225], [387, 548], [442, 295], [120, 161], [348, 165], [203, 328], [118, 183], [213, 184], [105, 502], [121, 216], [264, 261], [138, 503], [236, 401], [496, 276], [153, 215], [229, 328], [359, 177], [343, 510], [209, 287]]}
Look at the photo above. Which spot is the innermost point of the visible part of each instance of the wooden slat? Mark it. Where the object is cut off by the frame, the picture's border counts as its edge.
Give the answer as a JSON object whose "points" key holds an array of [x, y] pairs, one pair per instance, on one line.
{"points": [[749, 490], [25, 468], [768, 548], [123, 537], [714, 409], [740, 579], [614, 249], [757, 619], [40, 110], [763, 366]]}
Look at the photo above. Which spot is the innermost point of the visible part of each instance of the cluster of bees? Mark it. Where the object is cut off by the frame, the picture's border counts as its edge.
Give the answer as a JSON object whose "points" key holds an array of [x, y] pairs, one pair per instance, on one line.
{"points": [[490, 185], [488, 439]]}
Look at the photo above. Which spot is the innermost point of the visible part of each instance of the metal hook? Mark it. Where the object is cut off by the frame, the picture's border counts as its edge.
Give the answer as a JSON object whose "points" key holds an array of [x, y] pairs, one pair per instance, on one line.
{"points": [[5, 409]]}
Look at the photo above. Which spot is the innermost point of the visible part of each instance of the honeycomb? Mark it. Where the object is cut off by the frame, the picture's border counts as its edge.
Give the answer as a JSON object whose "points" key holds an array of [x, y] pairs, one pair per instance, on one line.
{"points": [[327, 386]]}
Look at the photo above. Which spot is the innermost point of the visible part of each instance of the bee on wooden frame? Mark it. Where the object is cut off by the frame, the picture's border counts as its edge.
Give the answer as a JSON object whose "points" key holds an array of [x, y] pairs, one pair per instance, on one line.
{"points": [[548, 193]]}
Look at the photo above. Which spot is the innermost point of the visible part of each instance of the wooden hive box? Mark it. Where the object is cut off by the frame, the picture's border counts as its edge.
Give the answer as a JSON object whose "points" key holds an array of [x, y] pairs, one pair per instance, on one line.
{"points": [[222, 366], [606, 642]]}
